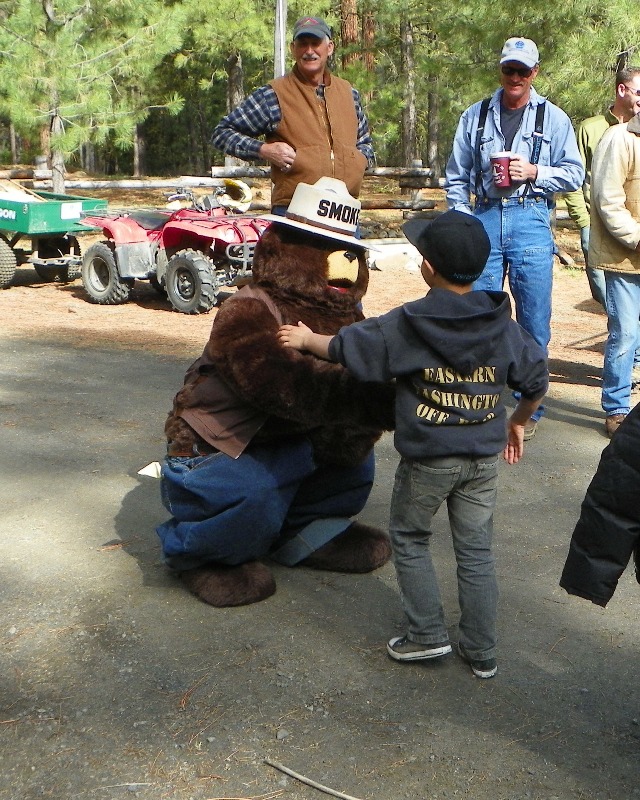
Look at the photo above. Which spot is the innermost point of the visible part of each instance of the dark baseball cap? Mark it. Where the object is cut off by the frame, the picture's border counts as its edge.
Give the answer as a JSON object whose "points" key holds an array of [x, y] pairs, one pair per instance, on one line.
{"points": [[311, 26], [454, 243]]}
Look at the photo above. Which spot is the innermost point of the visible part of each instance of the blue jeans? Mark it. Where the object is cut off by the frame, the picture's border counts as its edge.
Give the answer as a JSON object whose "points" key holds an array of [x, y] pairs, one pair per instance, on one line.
{"points": [[621, 349], [522, 251], [597, 285], [469, 487], [230, 511]]}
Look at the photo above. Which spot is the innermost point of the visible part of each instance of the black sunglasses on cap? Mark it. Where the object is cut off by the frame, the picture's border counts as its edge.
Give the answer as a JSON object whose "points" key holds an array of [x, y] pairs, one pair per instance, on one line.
{"points": [[523, 72]]}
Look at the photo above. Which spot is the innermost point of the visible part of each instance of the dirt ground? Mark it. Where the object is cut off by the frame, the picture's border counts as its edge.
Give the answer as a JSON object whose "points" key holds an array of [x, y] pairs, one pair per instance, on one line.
{"points": [[117, 683]]}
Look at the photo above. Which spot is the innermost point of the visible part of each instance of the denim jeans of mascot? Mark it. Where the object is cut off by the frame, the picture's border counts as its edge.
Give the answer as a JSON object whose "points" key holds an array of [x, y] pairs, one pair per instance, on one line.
{"points": [[469, 487], [230, 511], [621, 349], [521, 250]]}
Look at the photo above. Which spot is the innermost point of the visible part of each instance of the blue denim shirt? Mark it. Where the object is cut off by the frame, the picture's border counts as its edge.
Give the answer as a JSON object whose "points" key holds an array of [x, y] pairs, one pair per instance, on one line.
{"points": [[560, 167]]}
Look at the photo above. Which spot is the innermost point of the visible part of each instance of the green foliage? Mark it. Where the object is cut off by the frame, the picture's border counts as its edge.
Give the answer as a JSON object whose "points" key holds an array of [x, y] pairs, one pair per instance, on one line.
{"points": [[161, 65], [89, 64], [460, 43]]}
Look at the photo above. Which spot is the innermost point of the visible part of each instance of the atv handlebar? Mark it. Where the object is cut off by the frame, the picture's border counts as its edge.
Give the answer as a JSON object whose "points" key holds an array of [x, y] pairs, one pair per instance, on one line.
{"points": [[234, 196]]}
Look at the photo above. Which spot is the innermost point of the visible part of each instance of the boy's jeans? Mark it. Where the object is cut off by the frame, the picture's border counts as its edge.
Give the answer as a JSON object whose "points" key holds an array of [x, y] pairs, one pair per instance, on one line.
{"points": [[621, 349], [521, 249], [469, 487]]}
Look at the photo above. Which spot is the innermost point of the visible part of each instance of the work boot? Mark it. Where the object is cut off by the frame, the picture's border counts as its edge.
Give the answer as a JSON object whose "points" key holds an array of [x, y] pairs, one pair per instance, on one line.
{"points": [[612, 423]]}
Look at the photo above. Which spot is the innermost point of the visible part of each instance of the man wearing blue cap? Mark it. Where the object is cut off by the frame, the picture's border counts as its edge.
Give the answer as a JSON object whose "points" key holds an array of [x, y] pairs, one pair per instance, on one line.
{"points": [[312, 122], [537, 139]]}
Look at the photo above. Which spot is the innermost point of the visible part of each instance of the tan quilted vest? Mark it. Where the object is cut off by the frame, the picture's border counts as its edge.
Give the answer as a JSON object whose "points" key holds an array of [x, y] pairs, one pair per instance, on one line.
{"points": [[323, 134]]}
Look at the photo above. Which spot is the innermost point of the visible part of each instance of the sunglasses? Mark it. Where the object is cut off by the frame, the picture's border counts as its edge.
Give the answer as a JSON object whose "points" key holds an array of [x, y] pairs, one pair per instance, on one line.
{"points": [[635, 92], [523, 72]]}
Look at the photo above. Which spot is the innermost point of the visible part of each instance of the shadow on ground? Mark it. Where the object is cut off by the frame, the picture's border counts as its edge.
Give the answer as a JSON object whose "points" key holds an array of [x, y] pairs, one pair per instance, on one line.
{"points": [[118, 683]]}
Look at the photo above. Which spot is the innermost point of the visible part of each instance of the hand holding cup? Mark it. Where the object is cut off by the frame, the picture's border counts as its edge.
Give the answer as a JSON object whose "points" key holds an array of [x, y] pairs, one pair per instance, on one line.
{"points": [[500, 168]]}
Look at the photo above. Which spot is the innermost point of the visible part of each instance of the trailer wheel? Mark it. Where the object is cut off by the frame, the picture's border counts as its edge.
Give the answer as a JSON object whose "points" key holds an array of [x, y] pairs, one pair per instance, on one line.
{"points": [[58, 247], [100, 276], [191, 283], [7, 264]]}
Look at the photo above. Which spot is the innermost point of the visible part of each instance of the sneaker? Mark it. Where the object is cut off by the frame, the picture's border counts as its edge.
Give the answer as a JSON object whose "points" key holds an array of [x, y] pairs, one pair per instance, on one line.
{"points": [[481, 669], [530, 429], [612, 423], [635, 379], [403, 649]]}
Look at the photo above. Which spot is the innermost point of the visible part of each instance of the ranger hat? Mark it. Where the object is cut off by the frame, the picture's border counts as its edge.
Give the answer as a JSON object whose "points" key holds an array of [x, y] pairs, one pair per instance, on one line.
{"points": [[455, 244], [311, 26], [524, 51], [326, 209]]}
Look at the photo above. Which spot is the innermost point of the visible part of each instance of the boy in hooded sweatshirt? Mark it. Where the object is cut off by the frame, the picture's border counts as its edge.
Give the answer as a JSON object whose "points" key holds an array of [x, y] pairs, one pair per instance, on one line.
{"points": [[452, 353]]}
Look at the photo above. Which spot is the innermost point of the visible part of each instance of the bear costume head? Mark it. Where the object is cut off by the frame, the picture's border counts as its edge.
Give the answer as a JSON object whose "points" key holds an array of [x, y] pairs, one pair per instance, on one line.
{"points": [[311, 257]]}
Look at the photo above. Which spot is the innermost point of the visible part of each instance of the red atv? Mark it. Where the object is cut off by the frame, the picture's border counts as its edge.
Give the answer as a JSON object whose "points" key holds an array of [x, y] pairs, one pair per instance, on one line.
{"points": [[188, 253]]}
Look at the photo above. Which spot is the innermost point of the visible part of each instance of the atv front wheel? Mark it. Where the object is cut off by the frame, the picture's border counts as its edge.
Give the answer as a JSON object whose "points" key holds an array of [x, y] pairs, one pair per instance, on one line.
{"points": [[100, 276], [8, 263], [191, 283]]}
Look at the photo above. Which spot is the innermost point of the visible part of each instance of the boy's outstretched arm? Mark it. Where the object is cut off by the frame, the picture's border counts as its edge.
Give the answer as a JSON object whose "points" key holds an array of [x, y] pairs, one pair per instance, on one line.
{"points": [[301, 337], [515, 429]]}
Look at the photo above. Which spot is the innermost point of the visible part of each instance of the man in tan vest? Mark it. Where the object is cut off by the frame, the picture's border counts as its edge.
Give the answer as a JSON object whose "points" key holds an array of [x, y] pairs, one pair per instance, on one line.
{"points": [[312, 122]]}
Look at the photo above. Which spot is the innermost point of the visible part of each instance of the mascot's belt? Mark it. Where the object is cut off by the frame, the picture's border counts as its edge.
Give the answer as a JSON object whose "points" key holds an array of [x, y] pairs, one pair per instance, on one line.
{"points": [[198, 449]]}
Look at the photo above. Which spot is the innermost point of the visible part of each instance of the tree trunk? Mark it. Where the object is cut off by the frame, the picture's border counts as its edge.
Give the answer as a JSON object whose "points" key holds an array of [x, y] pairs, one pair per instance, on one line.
{"points": [[139, 150], [205, 136], [45, 141], [349, 32], [409, 144], [57, 156], [88, 155], [369, 39], [235, 95], [433, 135], [15, 146]]}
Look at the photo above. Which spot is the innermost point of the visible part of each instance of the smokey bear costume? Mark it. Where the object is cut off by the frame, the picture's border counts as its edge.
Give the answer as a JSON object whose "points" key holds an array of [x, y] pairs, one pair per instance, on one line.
{"points": [[270, 451]]}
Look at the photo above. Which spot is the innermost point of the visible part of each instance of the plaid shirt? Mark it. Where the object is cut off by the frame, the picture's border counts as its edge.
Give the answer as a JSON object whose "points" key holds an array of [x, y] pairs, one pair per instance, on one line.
{"points": [[258, 115]]}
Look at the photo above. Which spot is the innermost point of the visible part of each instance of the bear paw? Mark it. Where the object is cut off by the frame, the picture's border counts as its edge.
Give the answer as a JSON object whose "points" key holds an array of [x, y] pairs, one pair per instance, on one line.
{"points": [[357, 549], [220, 585]]}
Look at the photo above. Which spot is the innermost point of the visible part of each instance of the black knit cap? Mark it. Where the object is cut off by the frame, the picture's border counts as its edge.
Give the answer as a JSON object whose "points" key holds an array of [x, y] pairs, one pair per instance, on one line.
{"points": [[454, 243]]}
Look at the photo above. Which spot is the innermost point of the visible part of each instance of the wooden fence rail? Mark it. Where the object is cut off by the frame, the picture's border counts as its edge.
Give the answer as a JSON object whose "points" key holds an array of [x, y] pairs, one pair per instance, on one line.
{"points": [[413, 178]]}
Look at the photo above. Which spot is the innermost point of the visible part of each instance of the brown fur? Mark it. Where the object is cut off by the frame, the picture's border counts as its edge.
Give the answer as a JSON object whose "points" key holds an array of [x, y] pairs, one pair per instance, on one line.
{"points": [[223, 586], [301, 393], [298, 392], [358, 549]]}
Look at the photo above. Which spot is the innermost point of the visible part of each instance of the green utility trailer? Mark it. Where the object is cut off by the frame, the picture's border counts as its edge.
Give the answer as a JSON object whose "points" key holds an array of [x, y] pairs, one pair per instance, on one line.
{"points": [[38, 228]]}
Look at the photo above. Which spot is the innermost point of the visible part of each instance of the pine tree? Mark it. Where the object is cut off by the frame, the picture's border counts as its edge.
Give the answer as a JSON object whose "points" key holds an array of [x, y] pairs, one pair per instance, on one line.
{"points": [[78, 72]]}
